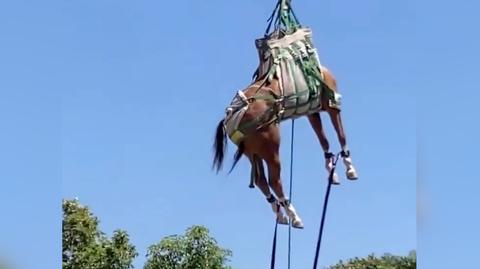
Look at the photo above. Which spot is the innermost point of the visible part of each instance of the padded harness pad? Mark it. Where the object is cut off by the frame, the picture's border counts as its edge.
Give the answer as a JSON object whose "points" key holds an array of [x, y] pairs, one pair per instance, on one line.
{"points": [[294, 61]]}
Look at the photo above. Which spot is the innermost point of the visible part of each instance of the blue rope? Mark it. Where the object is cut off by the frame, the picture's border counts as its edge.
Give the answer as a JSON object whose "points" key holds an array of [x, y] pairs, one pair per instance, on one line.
{"points": [[290, 191], [324, 213], [274, 244]]}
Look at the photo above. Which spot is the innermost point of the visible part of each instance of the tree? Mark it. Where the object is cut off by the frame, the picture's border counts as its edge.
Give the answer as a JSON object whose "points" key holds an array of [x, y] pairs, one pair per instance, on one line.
{"points": [[196, 249], [86, 247], [387, 261]]}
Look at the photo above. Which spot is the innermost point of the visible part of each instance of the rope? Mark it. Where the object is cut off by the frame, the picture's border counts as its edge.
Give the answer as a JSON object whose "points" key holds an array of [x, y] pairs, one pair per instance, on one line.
{"points": [[282, 15], [324, 213], [270, 19], [286, 17], [274, 244], [290, 191]]}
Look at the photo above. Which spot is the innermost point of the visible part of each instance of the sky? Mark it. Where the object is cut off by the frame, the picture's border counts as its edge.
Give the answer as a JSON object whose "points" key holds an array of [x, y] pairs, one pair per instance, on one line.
{"points": [[116, 103]]}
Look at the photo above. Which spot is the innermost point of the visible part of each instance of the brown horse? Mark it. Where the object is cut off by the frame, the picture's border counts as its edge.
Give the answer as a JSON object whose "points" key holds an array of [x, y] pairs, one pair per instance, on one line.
{"points": [[262, 144]]}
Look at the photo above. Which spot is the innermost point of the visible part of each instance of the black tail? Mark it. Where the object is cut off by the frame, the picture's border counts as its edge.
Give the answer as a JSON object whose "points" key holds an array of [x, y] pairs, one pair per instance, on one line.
{"points": [[238, 155], [219, 147]]}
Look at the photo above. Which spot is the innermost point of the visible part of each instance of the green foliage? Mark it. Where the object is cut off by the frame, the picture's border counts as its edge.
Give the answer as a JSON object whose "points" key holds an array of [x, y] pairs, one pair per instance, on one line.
{"points": [[196, 249], [86, 247], [387, 261]]}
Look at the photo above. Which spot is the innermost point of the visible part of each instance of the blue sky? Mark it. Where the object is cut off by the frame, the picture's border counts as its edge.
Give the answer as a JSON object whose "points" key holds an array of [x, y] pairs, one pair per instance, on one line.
{"points": [[116, 103], [446, 68]]}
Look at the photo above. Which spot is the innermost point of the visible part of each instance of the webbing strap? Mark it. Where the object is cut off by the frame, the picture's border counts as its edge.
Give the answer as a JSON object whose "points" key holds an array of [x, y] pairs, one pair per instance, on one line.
{"points": [[284, 17], [274, 246], [270, 19], [291, 191], [324, 213], [287, 17]]}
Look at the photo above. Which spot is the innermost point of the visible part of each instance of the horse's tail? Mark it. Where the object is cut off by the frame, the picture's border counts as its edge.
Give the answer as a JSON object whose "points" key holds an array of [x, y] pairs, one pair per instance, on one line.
{"points": [[219, 147]]}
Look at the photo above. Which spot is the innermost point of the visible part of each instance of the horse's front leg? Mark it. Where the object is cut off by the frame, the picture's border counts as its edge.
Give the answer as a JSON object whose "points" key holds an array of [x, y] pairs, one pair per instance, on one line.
{"points": [[276, 185], [260, 180], [270, 140], [316, 122], [338, 125]]}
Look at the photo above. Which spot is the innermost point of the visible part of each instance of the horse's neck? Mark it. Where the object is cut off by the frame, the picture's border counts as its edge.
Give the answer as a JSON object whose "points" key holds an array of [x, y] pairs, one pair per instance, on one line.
{"points": [[275, 86]]}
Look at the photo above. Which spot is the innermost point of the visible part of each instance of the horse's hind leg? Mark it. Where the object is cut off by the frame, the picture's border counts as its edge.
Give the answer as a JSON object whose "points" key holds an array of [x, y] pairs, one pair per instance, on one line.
{"points": [[260, 180], [316, 122], [338, 125], [270, 153]]}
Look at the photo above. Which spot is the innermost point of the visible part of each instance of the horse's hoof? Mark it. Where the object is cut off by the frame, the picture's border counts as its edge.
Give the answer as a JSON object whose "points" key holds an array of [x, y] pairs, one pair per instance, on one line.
{"points": [[335, 179], [352, 174], [297, 224], [282, 220]]}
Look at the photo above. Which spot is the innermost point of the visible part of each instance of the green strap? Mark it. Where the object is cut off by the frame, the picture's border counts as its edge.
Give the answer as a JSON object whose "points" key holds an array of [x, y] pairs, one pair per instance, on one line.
{"points": [[286, 17]]}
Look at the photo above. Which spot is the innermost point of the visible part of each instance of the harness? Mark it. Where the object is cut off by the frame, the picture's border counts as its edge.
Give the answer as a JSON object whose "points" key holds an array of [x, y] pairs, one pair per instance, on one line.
{"points": [[236, 128], [288, 55]]}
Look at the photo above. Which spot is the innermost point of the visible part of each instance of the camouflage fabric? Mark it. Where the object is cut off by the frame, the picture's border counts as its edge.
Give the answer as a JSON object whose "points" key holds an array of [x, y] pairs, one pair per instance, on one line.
{"points": [[294, 61]]}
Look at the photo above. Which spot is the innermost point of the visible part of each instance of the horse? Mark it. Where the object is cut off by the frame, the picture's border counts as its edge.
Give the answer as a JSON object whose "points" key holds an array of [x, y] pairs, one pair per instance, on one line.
{"points": [[262, 144]]}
